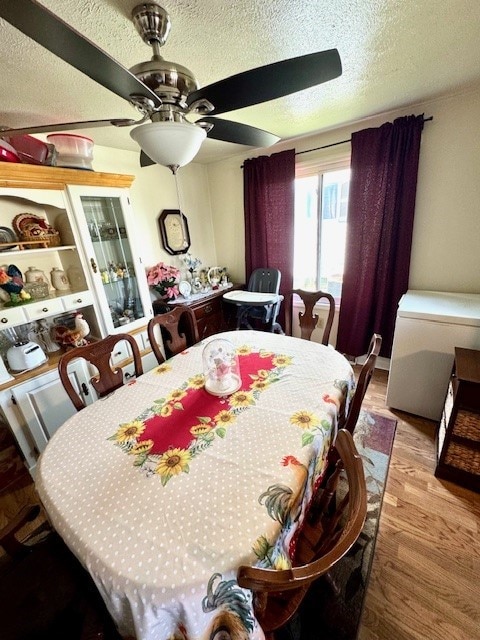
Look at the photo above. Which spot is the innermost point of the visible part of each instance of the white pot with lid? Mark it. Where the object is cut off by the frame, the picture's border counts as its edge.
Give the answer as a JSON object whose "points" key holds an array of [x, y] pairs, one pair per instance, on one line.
{"points": [[32, 274], [59, 279]]}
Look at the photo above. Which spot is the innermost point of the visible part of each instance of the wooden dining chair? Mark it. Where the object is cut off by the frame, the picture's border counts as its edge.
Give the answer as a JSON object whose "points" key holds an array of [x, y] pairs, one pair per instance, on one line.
{"points": [[308, 320], [363, 381], [178, 330], [327, 534], [99, 354]]}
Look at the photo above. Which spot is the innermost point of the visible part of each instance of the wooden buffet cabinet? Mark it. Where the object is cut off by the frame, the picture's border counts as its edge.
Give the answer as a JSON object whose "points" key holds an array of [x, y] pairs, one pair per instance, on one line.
{"points": [[458, 437], [211, 313]]}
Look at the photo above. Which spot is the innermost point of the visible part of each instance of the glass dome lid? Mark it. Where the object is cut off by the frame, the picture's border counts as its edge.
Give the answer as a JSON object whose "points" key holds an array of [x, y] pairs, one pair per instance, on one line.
{"points": [[221, 368]]}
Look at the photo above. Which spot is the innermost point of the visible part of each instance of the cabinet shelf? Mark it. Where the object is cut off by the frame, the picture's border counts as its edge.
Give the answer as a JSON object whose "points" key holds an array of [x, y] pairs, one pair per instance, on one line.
{"points": [[24, 252], [122, 236]]}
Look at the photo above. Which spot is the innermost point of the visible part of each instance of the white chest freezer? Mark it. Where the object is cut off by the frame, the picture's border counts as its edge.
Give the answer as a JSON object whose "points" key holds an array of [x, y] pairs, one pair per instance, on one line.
{"points": [[429, 325]]}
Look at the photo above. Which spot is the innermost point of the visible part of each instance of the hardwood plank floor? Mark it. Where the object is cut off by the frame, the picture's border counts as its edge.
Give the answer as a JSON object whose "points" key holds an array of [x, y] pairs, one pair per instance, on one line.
{"points": [[424, 579], [426, 569]]}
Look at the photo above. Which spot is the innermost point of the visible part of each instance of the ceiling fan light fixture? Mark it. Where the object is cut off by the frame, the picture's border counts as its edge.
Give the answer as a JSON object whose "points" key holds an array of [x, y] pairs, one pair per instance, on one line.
{"points": [[169, 143]]}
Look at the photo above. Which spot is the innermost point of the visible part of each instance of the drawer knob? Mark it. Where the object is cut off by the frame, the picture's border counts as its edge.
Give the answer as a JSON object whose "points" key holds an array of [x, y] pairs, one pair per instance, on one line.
{"points": [[4, 320], [79, 300], [208, 308], [45, 309]]}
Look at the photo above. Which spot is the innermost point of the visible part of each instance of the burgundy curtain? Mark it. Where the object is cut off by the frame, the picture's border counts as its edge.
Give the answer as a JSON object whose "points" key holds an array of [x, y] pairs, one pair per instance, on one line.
{"points": [[269, 197], [381, 207]]}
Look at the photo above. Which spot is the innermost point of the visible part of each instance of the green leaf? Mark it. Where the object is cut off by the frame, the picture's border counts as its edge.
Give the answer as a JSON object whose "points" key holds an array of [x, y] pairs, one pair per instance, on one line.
{"points": [[165, 479], [221, 432], [140, 459], [307, 438], [178, 405], [203, 420]]}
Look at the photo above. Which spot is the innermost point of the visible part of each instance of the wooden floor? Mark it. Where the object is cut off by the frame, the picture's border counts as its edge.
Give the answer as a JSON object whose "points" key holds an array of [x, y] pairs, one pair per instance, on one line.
{"points": [[425, 579]]}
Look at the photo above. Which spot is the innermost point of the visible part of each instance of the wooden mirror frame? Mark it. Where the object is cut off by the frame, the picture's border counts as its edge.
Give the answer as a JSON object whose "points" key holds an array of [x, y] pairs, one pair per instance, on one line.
{"points": [[174, 231]]}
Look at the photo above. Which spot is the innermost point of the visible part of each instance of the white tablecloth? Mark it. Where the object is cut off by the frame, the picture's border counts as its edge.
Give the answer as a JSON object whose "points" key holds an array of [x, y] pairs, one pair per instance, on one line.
{"points": [[162, 494]]}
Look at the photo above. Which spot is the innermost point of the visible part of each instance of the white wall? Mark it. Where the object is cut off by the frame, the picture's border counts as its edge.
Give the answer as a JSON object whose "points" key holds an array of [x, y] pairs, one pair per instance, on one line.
{"points": [[446, 237], [154, 190]]}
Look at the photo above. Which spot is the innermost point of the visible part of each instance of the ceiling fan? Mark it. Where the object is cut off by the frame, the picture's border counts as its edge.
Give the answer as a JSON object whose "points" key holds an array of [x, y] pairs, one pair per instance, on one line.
{"points": [[166, 92]]}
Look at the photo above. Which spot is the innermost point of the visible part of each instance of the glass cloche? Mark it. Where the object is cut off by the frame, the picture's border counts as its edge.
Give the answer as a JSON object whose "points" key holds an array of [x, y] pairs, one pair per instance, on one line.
{"points": [[221, 368]]}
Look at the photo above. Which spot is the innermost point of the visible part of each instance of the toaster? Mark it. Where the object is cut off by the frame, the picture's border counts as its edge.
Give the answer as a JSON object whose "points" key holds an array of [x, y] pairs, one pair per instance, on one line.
{"points": [[23, 356]]}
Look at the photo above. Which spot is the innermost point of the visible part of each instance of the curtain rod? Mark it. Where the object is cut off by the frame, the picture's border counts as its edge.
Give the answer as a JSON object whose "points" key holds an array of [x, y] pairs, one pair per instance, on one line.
{"points": [[334, 144]]}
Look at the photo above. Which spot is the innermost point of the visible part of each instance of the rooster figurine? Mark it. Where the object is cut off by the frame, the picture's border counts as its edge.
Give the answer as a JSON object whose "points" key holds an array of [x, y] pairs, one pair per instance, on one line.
{"points": [[75, 337]]}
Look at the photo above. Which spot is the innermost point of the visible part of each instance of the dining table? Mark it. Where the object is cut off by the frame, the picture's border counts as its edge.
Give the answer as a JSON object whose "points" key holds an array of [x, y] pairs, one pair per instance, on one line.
{"points": [[162, 489]]}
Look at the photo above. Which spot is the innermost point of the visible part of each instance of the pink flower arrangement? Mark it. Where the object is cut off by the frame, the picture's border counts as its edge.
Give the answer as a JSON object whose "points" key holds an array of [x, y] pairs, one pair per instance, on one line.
{"points": [[163, 278]]}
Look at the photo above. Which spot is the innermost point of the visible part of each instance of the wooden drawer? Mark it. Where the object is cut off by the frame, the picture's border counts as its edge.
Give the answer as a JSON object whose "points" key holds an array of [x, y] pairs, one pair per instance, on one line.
{"points": [[208, 308]]}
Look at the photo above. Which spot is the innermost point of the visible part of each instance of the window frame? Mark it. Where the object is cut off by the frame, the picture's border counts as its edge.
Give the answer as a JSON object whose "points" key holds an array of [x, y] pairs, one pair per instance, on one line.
{"points": [[317, 166]]}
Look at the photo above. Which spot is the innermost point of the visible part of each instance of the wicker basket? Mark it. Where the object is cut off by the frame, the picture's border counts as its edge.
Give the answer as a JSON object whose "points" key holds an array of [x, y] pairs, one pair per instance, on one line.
{"points": [[41, 240]]}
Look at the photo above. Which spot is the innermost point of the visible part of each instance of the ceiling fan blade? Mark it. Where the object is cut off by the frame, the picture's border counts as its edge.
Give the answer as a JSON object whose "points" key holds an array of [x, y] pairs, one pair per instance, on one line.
{"points": [[229, 131], [67, 126], [271, 81], [145, 161], [43, 26]]}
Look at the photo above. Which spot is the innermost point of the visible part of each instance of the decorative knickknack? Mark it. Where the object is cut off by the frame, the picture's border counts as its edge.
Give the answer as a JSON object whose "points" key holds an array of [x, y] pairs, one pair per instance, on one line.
{"points": [[221, 368], [59, 279]]}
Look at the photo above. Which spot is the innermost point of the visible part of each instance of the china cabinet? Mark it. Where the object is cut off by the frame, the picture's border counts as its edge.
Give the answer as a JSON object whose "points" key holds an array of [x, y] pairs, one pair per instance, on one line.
{"points": [[105, 219], [96, 256]]}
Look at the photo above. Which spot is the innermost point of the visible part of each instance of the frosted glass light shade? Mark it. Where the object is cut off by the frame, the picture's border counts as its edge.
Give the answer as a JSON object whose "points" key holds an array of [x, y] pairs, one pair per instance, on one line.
{"points": [[169, 143]]}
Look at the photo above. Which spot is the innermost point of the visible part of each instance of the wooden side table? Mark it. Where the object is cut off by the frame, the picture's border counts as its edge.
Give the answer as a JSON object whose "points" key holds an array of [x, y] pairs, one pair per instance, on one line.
{"points": [[211, 313], [458, 436]]}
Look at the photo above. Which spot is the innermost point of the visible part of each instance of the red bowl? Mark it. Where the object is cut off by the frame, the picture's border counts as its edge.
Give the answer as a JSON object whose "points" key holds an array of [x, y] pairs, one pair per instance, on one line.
{"points": [[7, 152], [30, 150]]}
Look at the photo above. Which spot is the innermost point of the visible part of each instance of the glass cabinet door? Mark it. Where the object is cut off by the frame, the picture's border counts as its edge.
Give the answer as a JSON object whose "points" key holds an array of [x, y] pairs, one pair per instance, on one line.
{"points": [[116, 267]]}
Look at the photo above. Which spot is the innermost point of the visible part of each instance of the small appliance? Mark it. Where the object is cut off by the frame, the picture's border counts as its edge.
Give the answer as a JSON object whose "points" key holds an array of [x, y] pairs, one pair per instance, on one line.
{"points": [[25, 355]]}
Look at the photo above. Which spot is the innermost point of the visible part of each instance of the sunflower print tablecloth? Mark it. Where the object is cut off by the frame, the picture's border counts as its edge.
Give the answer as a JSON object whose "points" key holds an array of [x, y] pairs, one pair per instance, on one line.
{"points": [[162, 490]]}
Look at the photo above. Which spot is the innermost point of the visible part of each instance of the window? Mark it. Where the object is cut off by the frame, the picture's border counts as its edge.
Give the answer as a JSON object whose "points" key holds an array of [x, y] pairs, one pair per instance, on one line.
{"points": [[321, 203]]}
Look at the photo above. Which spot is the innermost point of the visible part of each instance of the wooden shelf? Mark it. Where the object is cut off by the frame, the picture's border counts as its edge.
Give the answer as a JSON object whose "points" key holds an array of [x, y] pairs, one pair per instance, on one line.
{"points": [[25, 245], [458, 438]]}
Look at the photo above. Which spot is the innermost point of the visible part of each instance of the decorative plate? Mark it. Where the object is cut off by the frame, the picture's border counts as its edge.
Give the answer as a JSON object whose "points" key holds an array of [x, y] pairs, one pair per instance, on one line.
{"points": [[185, 288], [21, 221], [7, 235]]}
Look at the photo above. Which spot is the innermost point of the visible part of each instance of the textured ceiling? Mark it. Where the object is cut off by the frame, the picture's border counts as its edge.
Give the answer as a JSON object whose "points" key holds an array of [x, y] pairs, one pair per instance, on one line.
{"points": [[394, 53]]}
